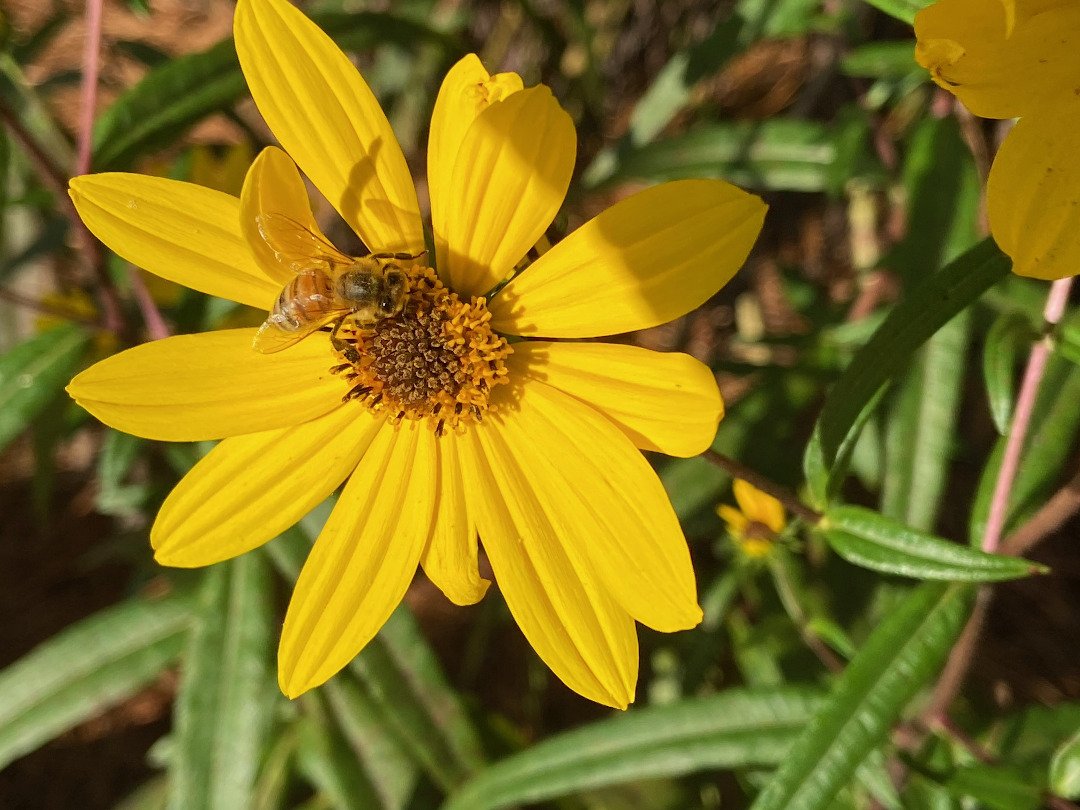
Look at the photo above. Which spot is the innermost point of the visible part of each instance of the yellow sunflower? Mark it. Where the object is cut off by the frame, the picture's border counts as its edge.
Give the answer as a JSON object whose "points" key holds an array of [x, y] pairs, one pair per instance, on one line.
{"points": [[756, 523], [1018, 59], [444, 429]]}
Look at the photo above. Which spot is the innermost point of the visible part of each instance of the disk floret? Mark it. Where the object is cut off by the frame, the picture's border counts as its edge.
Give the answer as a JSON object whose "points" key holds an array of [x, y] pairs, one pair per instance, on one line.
{"points": [[439, 359]]}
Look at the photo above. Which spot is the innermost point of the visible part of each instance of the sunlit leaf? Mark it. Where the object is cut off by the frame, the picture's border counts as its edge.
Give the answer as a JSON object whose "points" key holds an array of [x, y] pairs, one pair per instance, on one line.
{"points": [[86, 668], [911, 323], [1065, 769], [775, 154], [35, 372], [737, 728], [871, 540], [326, 760], [226, 688], [902, 654], [402, 677], [181, 92]]}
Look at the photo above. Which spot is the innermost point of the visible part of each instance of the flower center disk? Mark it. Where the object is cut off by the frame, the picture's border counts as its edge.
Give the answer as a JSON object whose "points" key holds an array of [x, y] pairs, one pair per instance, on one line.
{"points": [[439, 359]]}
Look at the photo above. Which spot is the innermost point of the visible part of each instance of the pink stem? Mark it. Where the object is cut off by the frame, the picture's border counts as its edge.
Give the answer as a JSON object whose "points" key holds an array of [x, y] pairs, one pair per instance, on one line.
{"points": [[88, 97], [1025, 404], [155, 324]]}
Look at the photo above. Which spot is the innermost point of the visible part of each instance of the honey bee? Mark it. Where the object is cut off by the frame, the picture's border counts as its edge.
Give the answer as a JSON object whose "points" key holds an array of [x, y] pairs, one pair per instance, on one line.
{"points": [[329, 286]]}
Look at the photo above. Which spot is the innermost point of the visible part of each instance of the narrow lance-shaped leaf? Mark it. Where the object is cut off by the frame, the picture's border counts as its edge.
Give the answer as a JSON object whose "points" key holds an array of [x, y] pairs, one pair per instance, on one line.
{"points": [[1055, 422], [401, 675], [944, 189], [35, 372], [86, 668], [871, 540], [1009, 336], [734, 729], [902, 654], [995, 787], [388, 765], [776, 154], [328, 763], [824, 480], [226, 688], [186, 90], [929, 307]]}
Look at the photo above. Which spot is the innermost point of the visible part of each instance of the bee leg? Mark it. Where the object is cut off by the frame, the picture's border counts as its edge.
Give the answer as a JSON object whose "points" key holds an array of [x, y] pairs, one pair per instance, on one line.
{"points": [[340, 345]]}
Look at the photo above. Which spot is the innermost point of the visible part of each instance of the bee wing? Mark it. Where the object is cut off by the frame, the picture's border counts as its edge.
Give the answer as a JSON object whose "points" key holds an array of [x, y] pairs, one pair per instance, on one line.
{"points": [[271, 338], [295, 244]]}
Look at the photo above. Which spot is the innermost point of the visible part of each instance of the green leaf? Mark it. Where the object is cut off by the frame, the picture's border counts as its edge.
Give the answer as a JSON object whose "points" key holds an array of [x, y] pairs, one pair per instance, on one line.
{"points": [[183, 91], [824, 480], [33, 373], [911, 323], [402, 677], [904, 10], [1065, 769], [392, 772], [995, 787], [119, 452], [273, 782], [86, 668], [944, 192], [736, 728], [328, 763], [881, 60], [1007, 338], [922, 428], [1055, 421], [224, 701], [777, 154], [902, 654], [871, 540]]}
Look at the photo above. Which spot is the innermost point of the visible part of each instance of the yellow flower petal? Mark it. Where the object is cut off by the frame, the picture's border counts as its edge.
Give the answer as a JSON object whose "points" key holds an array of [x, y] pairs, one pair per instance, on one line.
{"points": [[510, 177], [644, 261], [208, 386], [450, 559], [759, 506], [579, 631], [364, 559], [251, 488], [274, 186], [466, 91], [968, 48], [179, 231], [328, 120], [604, 498], [1033, 193], [665, 402], [736, 521]]}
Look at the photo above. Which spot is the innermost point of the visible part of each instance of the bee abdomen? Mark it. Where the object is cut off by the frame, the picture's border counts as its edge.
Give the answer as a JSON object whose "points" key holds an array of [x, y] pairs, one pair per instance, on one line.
{"points": [[304, 299]]}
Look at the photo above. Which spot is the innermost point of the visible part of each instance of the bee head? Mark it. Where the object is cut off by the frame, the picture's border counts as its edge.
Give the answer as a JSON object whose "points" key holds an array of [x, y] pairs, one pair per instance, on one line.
{"points": [[391, 298]]}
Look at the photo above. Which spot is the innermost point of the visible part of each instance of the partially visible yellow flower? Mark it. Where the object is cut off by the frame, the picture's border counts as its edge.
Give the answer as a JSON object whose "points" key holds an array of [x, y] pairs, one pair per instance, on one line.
{"points": [[444, 431], [1018, 59], [755, 525]]}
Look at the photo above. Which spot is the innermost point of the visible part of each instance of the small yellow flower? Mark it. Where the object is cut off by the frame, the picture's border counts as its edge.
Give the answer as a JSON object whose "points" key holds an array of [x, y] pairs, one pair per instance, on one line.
{"points": [[1018, 59], [536, 452], [756, 523]]}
